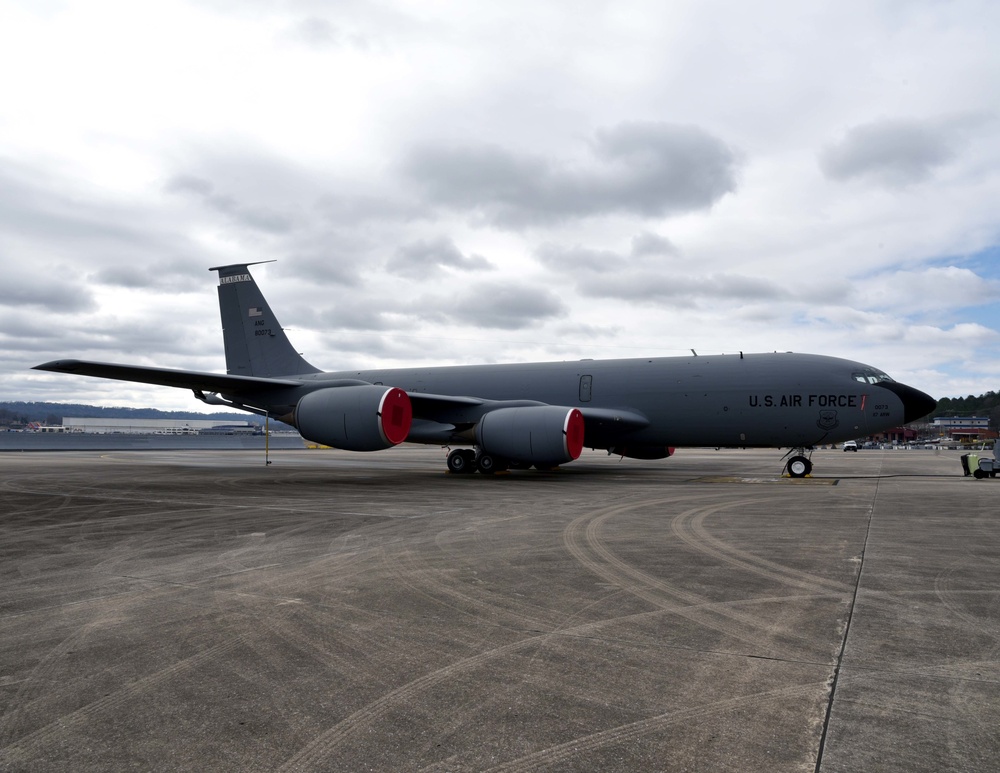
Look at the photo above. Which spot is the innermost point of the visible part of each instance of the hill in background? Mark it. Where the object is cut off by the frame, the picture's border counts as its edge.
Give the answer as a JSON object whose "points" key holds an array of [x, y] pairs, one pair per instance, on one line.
{"points": [[983, 405]]}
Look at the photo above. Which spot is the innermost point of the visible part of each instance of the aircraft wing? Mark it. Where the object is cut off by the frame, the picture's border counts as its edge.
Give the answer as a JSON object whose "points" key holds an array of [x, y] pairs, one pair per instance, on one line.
{"points": [[427, 404], [459, 410], [184, 379], [439, 416], [613, 420]]}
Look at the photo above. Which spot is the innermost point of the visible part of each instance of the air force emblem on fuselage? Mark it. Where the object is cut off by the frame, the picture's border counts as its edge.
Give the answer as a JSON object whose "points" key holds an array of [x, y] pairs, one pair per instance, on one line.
{"points": [[828, 420]]}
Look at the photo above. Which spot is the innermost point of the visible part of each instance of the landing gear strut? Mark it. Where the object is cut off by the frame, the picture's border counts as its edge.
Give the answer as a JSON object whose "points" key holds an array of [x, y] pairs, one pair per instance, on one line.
{"points": [[799, 466]]}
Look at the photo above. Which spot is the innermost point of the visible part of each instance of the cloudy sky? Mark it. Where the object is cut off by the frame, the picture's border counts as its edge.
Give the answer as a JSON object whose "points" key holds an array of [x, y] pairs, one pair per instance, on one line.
{"points": [[460, 182]]}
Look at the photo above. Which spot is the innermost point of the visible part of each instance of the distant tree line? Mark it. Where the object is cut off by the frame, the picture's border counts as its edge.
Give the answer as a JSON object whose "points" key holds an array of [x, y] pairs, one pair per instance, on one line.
{"points": [[983, 405]]}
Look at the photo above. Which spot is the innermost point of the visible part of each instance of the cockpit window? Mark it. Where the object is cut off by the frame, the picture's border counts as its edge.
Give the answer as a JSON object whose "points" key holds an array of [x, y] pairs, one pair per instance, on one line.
{"points": [[870, 376]]}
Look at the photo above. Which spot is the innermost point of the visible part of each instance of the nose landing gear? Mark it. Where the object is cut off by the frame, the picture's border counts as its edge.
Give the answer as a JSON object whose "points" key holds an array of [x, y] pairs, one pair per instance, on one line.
{"points": [[799, 466]]}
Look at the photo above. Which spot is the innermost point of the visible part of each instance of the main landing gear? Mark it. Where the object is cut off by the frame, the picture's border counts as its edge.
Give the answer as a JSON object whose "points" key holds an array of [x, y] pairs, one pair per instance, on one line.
{"points": [[799, 465], [462, 461], [465, 461]]}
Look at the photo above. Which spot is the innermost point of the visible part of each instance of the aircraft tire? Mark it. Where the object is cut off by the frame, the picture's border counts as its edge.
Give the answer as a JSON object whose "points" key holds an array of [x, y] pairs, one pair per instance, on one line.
{"points": [[487, 464], [799, 467], [461, 461]]}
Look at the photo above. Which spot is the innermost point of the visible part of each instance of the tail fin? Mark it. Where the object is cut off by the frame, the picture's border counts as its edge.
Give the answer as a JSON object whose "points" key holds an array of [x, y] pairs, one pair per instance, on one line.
{"points": [[256, 345]]}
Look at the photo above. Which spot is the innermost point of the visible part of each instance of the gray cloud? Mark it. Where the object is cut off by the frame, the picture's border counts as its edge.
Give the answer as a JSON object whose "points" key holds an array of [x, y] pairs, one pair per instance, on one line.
{"points": [[359, 23], [354, 313], [47, 221], [315, 32], [34, 205], [650, 244], [131, 276], [55, 240], [421, 258], [323, 237], [503, 305], [663, 168], [59, 294], [319, 34], [941, 287], [260, 218], [326, 256], [643, 286], [643, 169], [580, 331], [105, 338], [578, 258], [176, 274], [349, 208], [892, 152]]}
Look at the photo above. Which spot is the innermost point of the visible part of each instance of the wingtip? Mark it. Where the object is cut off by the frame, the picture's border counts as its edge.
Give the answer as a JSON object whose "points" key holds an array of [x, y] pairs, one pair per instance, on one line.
{"points": [[58, 366]]}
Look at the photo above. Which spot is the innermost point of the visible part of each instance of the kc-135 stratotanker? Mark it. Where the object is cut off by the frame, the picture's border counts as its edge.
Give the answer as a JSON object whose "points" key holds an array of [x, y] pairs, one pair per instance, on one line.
{"points": [[536, 414]]}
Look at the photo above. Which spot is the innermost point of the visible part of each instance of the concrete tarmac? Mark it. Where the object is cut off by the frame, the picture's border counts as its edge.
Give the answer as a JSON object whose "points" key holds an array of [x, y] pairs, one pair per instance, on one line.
{"points": [[349, 612]]}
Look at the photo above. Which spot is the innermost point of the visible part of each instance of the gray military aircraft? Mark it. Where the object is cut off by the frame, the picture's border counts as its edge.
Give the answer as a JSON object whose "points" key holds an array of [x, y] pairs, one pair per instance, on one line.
{"points": [[536, 414]]}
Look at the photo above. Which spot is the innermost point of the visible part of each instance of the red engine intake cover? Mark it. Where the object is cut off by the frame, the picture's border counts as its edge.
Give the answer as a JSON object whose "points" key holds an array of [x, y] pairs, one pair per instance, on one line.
{"points": [[395, 415], [574, 433]]}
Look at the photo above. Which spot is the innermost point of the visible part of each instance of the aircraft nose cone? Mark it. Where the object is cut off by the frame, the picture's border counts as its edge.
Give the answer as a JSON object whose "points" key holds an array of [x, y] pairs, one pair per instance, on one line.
{"points": [[915, 403]]}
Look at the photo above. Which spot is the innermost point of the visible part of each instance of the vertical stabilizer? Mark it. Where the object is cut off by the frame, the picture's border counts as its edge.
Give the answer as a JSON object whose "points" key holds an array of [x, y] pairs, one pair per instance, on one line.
{"points": [[255, 343]]}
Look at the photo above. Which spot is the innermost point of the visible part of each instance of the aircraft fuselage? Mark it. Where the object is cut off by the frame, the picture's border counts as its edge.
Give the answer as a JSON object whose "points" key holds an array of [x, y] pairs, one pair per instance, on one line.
{"points": [[763, 400]]}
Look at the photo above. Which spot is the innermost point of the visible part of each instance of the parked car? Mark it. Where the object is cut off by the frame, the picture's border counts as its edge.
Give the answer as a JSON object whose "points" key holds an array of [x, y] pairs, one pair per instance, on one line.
{"points": [[851, 445]]}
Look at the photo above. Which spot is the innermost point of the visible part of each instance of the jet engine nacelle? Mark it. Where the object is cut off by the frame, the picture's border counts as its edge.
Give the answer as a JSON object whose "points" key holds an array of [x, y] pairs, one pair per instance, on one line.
{"points": [[538, 434], [355, 418]]}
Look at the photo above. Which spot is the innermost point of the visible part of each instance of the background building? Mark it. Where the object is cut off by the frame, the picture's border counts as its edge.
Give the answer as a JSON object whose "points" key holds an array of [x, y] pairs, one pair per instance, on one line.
{"points": [[964, 427], [155, 426]]}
